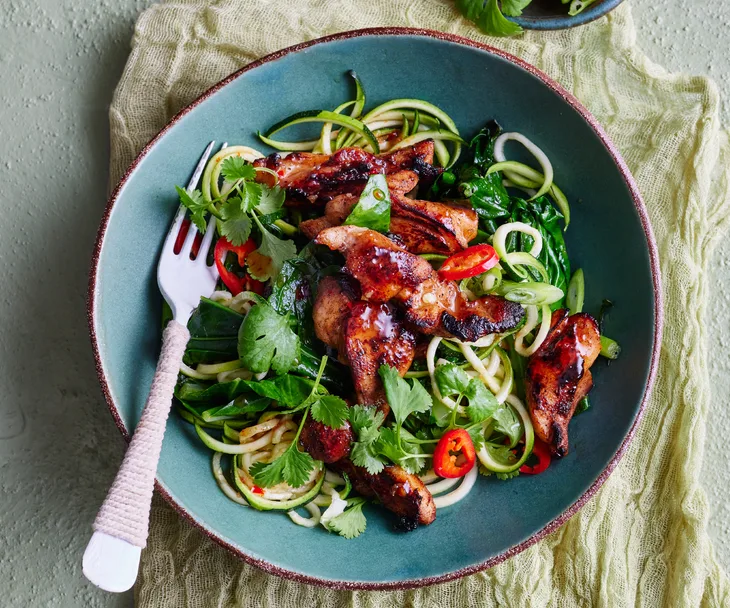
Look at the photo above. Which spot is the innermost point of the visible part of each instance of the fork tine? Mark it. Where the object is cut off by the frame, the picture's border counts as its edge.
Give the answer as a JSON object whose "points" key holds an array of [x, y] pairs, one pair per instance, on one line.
{"points": [[182, 211], [187, 246], [207, 240], [201, 167]]}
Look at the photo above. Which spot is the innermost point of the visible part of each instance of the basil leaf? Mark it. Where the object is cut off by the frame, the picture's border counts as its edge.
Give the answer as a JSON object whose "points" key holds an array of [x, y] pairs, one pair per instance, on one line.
{"points": [[373, 209]]}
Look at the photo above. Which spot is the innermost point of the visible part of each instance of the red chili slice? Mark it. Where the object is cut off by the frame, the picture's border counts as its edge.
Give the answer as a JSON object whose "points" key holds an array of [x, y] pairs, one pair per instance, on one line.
{"points": [[454, 455], [469, 263], [542, 452], [232, 281]]}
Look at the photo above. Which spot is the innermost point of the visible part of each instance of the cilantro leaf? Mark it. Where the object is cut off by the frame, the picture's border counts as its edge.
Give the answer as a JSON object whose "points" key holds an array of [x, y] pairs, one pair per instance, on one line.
{"points": [[330, 410], [352, 522], [488, 16], [501, 453], [451, 379], [236, 226], [482, 403], [265, 262], [514, 8], [506, 422], [196, 205], [234, 168], [477, 436], [366, 422], [399, 451], [251, 194], [270, 199], [363, 455], [265, 341], [292, 467], [403, 398]]}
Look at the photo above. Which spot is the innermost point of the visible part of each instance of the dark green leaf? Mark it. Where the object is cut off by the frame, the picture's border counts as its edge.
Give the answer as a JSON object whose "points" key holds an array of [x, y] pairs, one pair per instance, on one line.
{"points": [[237, 408], [213, 320], [287, 390], [219, 393]]}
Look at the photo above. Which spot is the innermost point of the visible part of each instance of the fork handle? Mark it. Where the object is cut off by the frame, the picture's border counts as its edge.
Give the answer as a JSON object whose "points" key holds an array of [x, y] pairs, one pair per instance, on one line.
{"points": [[126, 511]]}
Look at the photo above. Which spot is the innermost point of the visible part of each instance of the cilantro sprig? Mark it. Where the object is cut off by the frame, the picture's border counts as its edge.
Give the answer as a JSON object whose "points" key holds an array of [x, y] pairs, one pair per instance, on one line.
{"points": [[238, 211], [377, 445], [351, 522], [294, 466], [490, 18]]}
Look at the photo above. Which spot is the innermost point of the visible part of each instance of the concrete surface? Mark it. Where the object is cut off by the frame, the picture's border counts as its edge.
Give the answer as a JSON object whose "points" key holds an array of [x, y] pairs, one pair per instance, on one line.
{"points": [[59, 450]]}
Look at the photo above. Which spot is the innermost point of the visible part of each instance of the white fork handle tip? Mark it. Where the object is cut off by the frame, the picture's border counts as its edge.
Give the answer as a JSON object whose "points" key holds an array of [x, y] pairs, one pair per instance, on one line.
{"points": [[111, 563]]}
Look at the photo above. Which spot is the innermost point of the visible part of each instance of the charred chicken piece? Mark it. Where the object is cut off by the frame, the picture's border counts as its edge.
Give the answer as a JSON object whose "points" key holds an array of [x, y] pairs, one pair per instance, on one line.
{"points": [[428, 227], [558, 376], [438, 307], [318, 178], [386, 272], [374, 337], [325, 443], [418, 226], [335, 298], [400, 492], [382, 268]]}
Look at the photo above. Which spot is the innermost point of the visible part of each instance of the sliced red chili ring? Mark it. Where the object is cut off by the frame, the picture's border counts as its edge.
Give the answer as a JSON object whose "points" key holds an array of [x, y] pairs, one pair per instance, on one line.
{"points": [[541, 451], [469, 263], [454, 455], [232, 281]]}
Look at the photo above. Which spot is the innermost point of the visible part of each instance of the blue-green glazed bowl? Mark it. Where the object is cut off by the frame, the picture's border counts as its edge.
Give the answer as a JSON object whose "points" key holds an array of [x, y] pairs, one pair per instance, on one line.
{"points": [[609, 237], [553, 14]]}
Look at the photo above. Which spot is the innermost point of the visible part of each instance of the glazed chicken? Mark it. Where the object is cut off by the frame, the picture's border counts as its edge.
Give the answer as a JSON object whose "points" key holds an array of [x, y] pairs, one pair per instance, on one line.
{"points": [[418, 226], [386, 271], [558, 376], [399, 491], [317, 178]]}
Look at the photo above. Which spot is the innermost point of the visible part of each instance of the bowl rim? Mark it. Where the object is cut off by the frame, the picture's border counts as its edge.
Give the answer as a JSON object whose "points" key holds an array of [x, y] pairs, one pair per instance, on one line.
{"points": [[656, 280], [565, 22]]}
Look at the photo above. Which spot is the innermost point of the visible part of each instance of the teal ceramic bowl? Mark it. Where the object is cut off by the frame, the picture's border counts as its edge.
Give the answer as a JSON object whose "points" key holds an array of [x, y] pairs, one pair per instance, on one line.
{"points": [[553, 14], [609, 238]]}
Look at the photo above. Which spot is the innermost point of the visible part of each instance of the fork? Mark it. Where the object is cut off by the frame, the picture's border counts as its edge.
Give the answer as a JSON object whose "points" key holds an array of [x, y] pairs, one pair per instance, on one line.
{"points": [[111, 559]]}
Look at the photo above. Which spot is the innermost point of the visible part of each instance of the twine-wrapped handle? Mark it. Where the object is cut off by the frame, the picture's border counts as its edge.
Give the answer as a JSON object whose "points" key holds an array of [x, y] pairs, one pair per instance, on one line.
{"points": [[125, 514]]}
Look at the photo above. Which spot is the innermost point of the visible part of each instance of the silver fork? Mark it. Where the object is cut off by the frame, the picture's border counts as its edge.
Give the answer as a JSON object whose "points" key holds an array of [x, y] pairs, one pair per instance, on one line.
{"points": [[111, 559]]}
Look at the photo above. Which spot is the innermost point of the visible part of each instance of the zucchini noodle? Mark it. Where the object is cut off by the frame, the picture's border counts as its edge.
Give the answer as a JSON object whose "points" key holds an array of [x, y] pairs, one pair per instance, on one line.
{"points": [[485, 457], [541, 157], [442, 485], [307, 522], [209, 182], [531, 323], [500, 238], [223, 484], [453, 497]]}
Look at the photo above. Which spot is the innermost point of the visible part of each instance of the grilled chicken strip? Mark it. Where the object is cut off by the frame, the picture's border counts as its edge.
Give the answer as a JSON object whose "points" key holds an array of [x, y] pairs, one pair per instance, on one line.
{"points": [[400, 492], [317, 178], [374, 337], [558, 376], [386, 272], [335, 298], [419, 226]]}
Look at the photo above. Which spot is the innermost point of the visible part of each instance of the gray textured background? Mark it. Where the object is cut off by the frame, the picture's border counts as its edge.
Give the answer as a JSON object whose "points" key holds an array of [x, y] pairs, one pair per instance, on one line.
{"points": [[59, 63]]}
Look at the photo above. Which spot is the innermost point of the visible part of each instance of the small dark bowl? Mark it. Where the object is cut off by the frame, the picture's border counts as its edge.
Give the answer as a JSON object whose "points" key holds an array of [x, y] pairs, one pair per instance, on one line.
{"points": [[553, 15]]}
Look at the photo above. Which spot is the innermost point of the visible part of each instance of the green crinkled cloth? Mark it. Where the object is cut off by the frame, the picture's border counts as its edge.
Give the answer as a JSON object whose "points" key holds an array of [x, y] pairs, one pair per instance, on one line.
{"points": [[642, 540]]}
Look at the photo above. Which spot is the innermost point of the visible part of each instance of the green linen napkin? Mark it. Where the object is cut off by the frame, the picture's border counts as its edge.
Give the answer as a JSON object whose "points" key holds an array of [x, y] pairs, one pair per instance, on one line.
{"points": [[642, 540]]}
